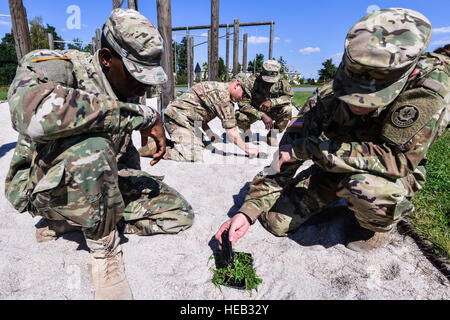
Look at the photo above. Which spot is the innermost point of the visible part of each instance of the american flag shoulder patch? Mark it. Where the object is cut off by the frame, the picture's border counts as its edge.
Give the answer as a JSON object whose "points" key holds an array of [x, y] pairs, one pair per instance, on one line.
{"points": [[296, 122]]}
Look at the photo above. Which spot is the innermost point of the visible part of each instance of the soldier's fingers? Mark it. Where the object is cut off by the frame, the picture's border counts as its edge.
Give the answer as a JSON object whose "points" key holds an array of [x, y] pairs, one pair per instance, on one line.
{"points": [[223, 227]]}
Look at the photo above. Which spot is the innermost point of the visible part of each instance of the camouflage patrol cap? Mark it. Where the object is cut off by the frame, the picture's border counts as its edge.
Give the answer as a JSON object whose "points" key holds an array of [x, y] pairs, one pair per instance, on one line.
{"points": [[381, 51], [271, 71], [246, 82], [139, 44]]}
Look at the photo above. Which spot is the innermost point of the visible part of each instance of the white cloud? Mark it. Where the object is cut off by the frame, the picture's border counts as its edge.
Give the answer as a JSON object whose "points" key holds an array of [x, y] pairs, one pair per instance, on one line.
{"points": [[5, 23], [309, 50], [258, 40], [288, 40], [276, 39], [337, 57], [442, 30], [441, 42]]}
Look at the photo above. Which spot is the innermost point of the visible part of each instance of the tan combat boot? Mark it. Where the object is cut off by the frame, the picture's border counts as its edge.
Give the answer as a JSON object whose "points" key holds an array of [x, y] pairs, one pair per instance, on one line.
{"points": [[272, 139], [149, 149], [107, 269], [48, 230], [368, 240]]}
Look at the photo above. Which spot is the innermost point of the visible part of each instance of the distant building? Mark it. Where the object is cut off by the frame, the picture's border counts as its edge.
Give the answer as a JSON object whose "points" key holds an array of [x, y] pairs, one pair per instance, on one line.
{"points": [[292, 73], [200, 72]]}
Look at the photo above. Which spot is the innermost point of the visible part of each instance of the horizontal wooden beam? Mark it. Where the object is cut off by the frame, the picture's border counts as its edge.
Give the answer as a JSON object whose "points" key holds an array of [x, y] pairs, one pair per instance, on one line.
{"points": [[245, 24]]}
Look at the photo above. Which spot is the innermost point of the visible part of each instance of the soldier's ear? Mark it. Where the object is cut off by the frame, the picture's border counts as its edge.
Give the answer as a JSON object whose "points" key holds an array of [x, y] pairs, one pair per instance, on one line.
{"points": [[106, 57]]}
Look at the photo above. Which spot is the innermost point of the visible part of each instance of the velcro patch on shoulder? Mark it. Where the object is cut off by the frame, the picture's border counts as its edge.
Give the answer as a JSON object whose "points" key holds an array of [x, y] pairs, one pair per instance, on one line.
{"points": [[56, 69], [296, 122], [409, 114], [287, 89]]}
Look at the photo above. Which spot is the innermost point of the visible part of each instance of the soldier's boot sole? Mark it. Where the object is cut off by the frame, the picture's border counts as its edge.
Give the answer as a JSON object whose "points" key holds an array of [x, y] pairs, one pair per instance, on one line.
{"points": [[49, 230]]}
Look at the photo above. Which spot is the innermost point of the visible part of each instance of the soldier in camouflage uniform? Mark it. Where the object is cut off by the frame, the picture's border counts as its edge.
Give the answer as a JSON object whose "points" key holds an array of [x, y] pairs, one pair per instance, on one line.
{"points": [[75, 164], [268, 98], [367, 133], [188, 114]]}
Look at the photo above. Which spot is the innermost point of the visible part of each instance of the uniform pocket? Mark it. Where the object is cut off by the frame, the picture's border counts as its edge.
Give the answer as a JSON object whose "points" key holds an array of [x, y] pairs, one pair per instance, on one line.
{"points": [[45, 195]]}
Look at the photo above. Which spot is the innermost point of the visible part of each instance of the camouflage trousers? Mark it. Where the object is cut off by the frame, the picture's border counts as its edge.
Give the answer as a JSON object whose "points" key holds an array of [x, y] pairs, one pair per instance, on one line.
{"points": [[281, 116], [187, 142], [80, 180], [285, 202]]}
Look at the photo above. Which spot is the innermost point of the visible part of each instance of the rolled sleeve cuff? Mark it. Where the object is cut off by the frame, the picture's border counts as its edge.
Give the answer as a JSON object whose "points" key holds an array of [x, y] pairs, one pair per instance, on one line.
{"points": [[299, 149], [251, 211], [228, 124]]}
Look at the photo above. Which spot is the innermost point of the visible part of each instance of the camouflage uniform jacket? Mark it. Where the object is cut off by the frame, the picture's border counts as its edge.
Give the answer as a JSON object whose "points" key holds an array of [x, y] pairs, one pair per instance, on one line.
{"points": [[280, 94], [56, 98], [371, 143], [203, 102]]}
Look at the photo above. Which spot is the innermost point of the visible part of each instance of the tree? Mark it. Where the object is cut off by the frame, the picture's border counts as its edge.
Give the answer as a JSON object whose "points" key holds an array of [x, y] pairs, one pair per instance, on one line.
{"points": [[205, 71], [222, 69], [79, 46], [58, 45], [328, 71], [181, 56], [8, 59], [256, 65], [39, 37], [283, 63]]}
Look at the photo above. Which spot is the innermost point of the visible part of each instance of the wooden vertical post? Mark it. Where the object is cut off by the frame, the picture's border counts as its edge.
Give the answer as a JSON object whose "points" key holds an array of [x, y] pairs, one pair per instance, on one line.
{"points": [[165, 29], [21, 32], [94, 44], [236, 47], [133, 4], [214, 52], [191, 62], [98, 42], [188, 58], [271, 41], [117, 3], [227, 55], [51, 44], [209, 54], [244, 54]]}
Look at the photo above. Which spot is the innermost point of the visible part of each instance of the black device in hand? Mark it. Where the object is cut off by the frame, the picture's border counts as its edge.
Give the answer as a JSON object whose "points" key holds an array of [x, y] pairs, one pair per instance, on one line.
{"points": [[227, 249]]}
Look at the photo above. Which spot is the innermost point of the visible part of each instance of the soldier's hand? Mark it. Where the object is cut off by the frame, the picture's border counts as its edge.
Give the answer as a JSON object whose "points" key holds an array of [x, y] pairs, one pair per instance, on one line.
{"points": [[265, 106], [285, 156], [237, 227], [268, 122], [251, 151], [157, 133]]}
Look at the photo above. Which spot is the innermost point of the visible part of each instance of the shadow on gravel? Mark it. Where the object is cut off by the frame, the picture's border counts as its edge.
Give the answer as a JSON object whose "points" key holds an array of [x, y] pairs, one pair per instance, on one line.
{"points": [[78, 237], [328, 228]]}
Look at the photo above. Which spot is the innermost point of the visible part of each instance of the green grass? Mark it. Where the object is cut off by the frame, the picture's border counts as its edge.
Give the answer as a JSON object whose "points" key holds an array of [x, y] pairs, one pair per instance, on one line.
{"points": [[4, 92], [432, 215], [300, 98], [239, 270]]}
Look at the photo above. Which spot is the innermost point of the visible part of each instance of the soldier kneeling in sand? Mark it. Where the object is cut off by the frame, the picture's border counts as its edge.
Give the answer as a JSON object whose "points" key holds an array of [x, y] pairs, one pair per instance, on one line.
{"points": [[367, 133], [185, 116], [75, 163]]}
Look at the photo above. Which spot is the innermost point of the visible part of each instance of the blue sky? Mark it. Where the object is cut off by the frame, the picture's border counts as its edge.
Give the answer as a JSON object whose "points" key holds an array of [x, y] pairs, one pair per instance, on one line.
{"points": [[306, 32]]}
